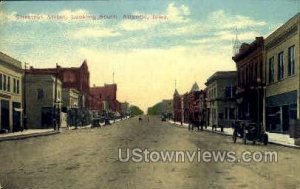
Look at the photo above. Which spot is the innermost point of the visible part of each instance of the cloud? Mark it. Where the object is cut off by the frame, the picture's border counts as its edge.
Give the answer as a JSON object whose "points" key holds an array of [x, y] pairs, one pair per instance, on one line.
{"points": [[144, 23], [7, 16], [73, 13], [178, 14], [93, 32], [174, 14], [221, 20]]}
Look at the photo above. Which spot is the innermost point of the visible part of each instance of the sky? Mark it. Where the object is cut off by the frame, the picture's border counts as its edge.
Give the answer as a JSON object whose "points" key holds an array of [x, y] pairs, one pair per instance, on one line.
{"points": [[166, 41]]}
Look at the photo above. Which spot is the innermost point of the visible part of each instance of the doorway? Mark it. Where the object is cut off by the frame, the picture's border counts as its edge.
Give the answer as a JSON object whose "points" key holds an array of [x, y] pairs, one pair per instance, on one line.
{"points": [[5, 114], [16, 116]]}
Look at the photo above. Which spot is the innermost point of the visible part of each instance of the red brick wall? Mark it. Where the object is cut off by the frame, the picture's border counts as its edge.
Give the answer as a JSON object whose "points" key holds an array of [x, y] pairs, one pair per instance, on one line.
{"points": [[77, 78], [108, 93]]}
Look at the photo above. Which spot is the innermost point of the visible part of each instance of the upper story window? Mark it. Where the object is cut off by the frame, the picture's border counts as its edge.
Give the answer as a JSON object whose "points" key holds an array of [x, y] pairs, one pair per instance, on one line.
{"points": [[8, 83], [215, 93], [18, 86], [4, 83], [280, 73], [291, 60], [14, 85], [271, 70], [230, 91]]}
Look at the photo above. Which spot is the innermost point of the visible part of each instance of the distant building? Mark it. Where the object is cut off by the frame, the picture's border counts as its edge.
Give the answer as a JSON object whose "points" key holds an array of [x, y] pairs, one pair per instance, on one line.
{"points": [[42, 104], [11, 79], [167, 108], [72, 78], [194, 104], [250, 84], [221, 98], [202, 107], [104, 98], [282, 77], [186, 108], [70, 98], [177, 107]]}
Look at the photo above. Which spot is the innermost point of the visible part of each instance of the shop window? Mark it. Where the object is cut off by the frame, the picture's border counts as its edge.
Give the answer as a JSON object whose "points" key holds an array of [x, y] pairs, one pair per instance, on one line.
{"points": [[226, 113], [231, 113]]}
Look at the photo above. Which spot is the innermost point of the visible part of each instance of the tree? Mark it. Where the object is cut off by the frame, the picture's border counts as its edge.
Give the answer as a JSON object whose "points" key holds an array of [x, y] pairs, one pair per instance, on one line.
{"points": [[135, 110], [156, 109]]}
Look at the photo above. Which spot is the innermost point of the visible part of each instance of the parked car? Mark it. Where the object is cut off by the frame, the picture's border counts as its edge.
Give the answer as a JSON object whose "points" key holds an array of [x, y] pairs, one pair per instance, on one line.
{"points": [[249, 132]]}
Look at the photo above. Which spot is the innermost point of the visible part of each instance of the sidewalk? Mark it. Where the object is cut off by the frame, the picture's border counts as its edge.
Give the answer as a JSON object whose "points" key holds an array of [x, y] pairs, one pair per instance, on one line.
{"points": [[27, 134], [274, 138], [90, 126]]}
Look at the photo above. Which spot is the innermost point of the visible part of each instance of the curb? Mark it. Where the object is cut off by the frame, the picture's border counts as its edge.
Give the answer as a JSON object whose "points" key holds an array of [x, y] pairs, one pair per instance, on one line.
{"points": [[224, 134], [21, 137], [275, 143]]}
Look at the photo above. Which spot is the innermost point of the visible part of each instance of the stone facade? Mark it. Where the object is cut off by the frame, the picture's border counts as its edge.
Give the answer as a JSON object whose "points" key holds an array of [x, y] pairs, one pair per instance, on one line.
{"points": [[11, 83], [70, 98], [282, 77], [221, 105], [41, 105]]}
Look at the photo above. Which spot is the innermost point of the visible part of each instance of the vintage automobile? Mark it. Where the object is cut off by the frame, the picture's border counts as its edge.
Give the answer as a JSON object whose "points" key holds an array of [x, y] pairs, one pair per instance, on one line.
{"points": [[249, 131]]}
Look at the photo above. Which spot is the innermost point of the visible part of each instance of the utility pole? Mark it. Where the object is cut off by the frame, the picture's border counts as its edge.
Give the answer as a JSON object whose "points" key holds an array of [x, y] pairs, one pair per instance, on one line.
{"points": [[113, 77], [24, 96], [55, 101]]}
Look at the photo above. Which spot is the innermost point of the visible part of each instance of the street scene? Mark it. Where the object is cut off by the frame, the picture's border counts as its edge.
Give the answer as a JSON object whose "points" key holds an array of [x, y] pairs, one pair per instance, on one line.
{"points": [[88, 158], [149, 94]]}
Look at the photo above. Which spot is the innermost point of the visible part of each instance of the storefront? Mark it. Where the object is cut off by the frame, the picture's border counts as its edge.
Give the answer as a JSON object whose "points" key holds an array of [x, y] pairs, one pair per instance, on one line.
{"points": [[281, 110]]}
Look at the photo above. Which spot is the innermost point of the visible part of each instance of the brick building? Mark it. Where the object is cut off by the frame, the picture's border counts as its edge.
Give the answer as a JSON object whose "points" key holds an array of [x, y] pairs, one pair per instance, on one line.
{"points": [[251, 81], [74, 77], [194, 104], [104, 98], [202, 107], [186, 108]]}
